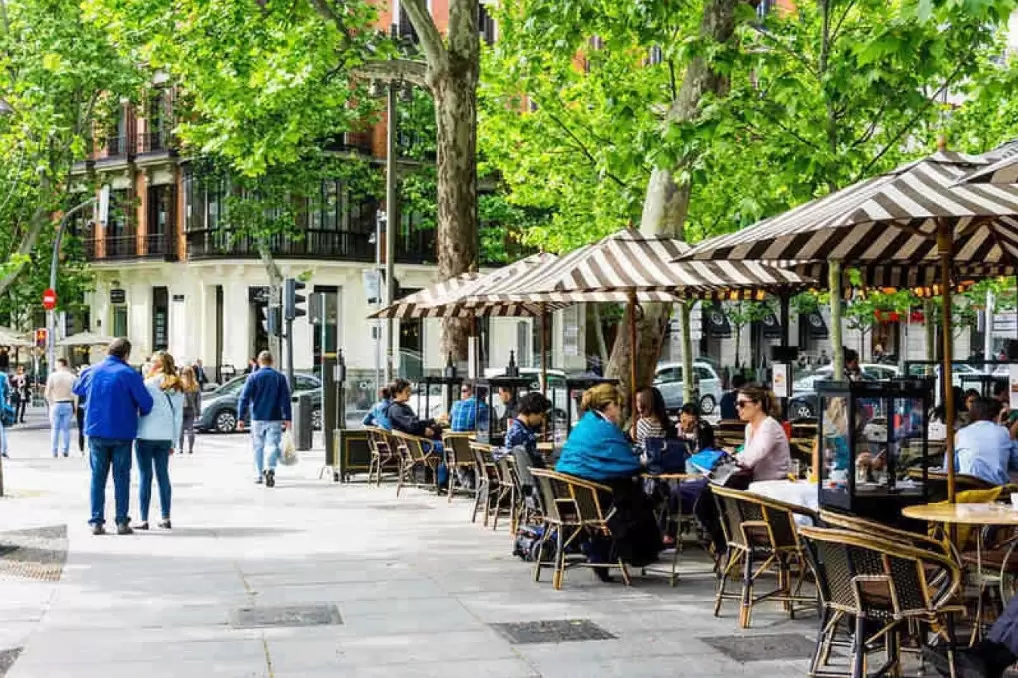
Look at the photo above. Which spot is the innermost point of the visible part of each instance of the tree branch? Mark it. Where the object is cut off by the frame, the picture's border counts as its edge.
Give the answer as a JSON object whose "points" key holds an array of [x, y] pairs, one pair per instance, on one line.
{"points": [[583, 148], [435, 52], [844, 15], [394, 70], [788, 50]]}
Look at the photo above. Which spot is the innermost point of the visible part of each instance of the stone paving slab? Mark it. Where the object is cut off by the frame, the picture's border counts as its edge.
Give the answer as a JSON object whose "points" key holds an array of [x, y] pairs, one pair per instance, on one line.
{"points": [[415, 583]]}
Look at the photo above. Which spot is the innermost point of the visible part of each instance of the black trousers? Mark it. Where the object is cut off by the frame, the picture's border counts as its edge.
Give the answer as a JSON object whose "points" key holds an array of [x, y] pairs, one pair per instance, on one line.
{"points": [[80, 415]]}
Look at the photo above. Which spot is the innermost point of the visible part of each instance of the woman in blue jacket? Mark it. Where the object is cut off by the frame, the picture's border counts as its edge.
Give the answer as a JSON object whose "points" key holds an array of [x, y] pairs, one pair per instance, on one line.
{"points": [[158, 432], [599, 451]]}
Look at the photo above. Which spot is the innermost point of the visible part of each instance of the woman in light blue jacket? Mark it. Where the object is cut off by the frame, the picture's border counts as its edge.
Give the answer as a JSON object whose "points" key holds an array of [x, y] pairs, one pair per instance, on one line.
{"points": [[157, 433]]}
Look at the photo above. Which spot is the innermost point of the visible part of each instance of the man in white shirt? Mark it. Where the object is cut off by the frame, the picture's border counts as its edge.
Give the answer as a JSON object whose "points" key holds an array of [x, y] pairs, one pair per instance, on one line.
{"points": [[60, 397], [984, 448]]}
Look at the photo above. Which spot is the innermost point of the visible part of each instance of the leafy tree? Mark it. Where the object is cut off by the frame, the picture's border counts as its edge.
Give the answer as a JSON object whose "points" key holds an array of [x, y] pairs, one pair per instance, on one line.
{"points": [[743, 313], [58, 80]]}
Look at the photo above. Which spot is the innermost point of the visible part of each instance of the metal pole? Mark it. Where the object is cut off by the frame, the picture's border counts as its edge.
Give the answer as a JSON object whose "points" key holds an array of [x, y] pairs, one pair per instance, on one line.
{"points": [[51, 346], [944, 249], [834, 282], [544, 349], [390, 219], [988, 330], [289, 353], [378, 299], [786, 340], [632, 360]]}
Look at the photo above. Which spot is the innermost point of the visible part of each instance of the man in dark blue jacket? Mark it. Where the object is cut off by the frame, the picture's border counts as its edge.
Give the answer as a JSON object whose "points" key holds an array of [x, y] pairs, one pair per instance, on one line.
{"points": [[115, 396], [267, 392]]}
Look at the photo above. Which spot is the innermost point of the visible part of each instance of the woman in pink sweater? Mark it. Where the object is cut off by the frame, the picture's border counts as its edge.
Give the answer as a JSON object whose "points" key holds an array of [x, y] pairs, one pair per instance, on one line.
{"points": [[766, 451]]}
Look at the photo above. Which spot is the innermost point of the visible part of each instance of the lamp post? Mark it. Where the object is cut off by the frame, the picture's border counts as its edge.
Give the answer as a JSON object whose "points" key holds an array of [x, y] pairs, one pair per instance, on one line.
{"points": [[51, 346]]}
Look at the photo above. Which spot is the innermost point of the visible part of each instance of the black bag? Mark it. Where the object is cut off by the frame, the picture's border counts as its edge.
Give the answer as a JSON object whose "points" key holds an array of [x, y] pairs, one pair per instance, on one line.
{"points": [[527, 543], [666, 455]]}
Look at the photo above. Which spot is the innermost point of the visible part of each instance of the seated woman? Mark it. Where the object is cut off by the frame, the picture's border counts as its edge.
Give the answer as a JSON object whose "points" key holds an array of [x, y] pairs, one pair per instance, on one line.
{"points": [[652, 416], [766, 452], [403, 419], [521, 440], [377, 416], [599, 451]]}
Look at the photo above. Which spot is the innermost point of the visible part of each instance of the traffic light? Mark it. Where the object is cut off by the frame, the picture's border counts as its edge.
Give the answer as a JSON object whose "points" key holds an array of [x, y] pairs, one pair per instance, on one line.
{"points": [[272, 320], [293, 303], [41, 335]]}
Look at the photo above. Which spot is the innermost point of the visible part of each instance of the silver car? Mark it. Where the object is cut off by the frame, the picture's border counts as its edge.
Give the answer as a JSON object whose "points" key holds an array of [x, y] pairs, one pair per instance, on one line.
{"points": [[706, 385]]}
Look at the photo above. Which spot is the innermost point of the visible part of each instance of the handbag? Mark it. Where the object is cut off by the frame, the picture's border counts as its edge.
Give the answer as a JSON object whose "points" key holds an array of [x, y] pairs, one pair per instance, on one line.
{"points": [[666, 455]]}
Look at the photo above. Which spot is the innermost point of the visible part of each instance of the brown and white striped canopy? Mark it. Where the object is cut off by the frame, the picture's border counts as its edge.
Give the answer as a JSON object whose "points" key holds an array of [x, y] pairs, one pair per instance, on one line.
{"points": [[481, 295], [629, 264], [889, 218], [418, 304], [1003, 167], [901, 275]]}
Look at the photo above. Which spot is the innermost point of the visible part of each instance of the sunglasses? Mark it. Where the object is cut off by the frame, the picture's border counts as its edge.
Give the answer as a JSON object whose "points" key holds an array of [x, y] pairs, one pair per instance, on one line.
{"points": [[742, 403]]}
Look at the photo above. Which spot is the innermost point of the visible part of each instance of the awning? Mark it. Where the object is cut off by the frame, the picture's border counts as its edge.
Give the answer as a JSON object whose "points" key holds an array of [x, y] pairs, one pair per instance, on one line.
{"points": [[816, 325], [715, 323], [771, 326]]}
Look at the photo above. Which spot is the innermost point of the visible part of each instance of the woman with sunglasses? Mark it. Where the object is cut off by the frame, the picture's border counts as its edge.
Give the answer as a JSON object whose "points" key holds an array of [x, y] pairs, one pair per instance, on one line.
{"points": [[766, 452]]}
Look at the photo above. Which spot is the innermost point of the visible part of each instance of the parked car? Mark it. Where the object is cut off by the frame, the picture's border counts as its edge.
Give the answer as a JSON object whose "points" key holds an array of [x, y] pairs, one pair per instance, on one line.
{"points": [[803, 404], [706, 385], [219, 407], [557, 392], [959, 372]]}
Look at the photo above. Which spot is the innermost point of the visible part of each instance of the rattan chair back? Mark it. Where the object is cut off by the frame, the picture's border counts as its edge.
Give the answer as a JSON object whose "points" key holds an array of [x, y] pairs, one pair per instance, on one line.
{"points": [[555, 496], [871, 577], [845, 521], [457, 448]]}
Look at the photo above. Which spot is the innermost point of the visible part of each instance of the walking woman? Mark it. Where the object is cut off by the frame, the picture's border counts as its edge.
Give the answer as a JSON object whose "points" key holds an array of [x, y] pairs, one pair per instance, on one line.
{"points": [[192, 406], [21, 394], [157, 431]]}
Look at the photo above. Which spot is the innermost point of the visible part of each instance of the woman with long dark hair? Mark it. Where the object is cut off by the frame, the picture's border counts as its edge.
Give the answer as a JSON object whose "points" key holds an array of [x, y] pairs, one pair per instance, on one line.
{"points": [[652, 416]]}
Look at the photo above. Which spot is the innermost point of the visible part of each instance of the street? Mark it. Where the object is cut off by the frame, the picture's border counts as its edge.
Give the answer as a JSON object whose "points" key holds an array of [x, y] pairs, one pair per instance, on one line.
{"points": [[389, 587]]}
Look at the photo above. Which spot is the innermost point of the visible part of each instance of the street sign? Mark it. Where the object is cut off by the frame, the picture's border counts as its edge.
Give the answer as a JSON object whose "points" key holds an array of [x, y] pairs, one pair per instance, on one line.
{"points": [[118, 296], [49, 299]]}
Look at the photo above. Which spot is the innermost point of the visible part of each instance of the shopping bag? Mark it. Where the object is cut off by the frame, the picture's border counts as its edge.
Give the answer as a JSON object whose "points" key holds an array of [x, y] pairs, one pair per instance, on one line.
{"points": [[289, 457]]}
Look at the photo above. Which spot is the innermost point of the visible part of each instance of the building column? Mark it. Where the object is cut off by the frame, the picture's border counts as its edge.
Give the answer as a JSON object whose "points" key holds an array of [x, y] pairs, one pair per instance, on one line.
{"points": [[236, 324]]}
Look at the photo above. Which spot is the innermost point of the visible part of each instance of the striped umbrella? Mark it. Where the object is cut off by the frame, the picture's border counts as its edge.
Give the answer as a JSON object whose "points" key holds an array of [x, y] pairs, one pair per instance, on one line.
{"points": [[892, 217], [918, 214], [1003, 167], [419, 304], [629, 267], [901, 275]]}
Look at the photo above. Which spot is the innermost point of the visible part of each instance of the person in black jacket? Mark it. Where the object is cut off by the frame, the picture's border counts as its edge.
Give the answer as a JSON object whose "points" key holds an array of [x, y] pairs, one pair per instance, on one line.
{"points": [[403, 417], [694, 429]]}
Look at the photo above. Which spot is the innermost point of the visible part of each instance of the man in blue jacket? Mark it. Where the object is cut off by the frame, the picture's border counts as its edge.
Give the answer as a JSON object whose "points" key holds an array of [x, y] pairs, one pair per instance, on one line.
{"points": [[115, 396], [268, 394]]}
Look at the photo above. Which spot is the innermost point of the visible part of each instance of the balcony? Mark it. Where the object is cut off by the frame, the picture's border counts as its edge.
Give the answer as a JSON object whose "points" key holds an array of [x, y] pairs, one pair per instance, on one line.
{"points": [[116, 147], [158, 141], [126, 247], [315, 244]]}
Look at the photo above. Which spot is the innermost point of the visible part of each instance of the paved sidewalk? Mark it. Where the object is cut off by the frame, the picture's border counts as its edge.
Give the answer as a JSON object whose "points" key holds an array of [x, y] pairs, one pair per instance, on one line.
{"points": [[403, 587]]}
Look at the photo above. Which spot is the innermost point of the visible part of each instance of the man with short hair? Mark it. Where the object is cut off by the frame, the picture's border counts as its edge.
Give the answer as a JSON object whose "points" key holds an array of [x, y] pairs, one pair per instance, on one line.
{"points": [[267, 392], [984, 448], [698, 432], [199, 374], [465, 412], [115, 396], [727, 404], [60, 398]]}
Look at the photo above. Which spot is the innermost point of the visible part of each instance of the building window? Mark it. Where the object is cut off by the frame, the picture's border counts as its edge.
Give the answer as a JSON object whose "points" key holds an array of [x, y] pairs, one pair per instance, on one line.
{"points": [[485, 24], [120, 213], [326, 209], [654, 56], [160, 317], [119, 321]]}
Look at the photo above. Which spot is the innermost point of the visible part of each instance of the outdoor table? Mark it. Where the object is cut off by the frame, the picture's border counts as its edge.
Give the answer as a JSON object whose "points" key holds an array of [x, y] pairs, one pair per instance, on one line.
{"points": [[976, 515], [677, 516], [798, 493]]}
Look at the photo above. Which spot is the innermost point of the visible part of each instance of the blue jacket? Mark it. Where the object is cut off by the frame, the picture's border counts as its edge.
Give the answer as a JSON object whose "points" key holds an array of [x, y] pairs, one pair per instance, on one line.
{"points": [[167, 416], [377, 416], [115, 396], [268, 394], [597, 450]]}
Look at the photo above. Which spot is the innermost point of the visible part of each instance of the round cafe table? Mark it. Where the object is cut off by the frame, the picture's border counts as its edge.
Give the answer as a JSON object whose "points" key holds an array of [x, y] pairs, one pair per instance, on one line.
{"points": [[975, 515]]}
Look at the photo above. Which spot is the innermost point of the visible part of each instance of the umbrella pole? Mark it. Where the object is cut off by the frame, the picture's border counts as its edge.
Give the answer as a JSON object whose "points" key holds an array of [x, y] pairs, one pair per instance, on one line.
{"points": [[944, 250], [632, 361], [834, 282], [544, 350]]}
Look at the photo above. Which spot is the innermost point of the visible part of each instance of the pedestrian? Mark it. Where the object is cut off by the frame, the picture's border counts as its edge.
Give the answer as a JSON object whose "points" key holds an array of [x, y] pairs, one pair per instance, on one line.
{"points": [[267, 393], [79, 411], [5, 359], [21, 394], [5, 391], [192, 407], [157, 431], [252, 365], [59, 396], [115, 396], [199, 374]]}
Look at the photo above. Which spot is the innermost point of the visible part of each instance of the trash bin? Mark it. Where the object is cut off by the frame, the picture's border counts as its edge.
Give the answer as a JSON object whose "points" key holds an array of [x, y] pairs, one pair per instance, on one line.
{"points": [[302, 429]]}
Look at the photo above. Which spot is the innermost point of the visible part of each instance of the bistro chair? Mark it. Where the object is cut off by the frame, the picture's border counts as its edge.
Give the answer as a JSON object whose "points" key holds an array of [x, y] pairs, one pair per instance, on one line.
{"points": [[416, 453], [761, 533], [509, 492], [572, 509], [458, 458], [885, 589], [383, 455], [488, 483]]}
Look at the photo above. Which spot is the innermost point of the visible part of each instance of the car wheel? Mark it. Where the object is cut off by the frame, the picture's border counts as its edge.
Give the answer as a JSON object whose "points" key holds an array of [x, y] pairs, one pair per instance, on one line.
{"points": [[226, 422], [803, 411], [316, 420], [707, 404]]}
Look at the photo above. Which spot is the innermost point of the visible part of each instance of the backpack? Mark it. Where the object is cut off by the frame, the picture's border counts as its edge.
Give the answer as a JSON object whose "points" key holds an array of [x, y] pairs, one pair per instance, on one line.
{"points": [[7, 415], [528, 541]]}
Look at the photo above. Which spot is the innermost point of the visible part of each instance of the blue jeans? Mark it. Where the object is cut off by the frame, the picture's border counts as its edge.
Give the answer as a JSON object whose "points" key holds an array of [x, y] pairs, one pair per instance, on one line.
{"points": [[266, 434], [3, 439], [60, 415], [103, 453], [153, 454]]}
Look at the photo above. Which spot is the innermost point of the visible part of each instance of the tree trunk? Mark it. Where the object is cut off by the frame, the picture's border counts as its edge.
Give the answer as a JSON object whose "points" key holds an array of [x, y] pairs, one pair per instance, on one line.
{"points": [[602, 347], [41, 218], [667, 202], [275, 294], [456, 110]]}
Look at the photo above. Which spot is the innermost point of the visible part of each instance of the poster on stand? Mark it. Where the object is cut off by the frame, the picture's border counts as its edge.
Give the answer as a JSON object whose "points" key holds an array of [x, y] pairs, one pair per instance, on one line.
{"points": [[1012, 383], [780, 382]]}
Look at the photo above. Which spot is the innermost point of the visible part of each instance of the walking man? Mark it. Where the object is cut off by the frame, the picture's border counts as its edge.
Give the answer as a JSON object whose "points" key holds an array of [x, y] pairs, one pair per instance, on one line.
{"points": [[268, 394], [115, 396], [60, 397]]}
